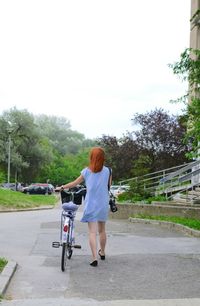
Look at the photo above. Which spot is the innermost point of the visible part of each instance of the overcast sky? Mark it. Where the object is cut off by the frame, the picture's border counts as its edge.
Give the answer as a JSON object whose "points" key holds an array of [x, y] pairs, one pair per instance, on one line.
{"points": [[97, 63]]}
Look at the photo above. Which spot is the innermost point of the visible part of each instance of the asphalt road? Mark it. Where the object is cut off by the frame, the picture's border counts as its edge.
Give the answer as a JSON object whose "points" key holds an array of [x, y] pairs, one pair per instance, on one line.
{"points": [[145, 264]]}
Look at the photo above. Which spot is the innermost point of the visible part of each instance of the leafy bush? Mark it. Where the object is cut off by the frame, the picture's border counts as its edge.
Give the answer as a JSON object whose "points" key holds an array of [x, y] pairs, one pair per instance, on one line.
{"points": [[123, 197], [158, 198], [136, 197]]}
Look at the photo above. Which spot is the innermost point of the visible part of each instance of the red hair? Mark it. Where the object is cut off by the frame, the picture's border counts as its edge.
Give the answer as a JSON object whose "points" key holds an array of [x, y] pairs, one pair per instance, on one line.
{"points": [[97, 158]]}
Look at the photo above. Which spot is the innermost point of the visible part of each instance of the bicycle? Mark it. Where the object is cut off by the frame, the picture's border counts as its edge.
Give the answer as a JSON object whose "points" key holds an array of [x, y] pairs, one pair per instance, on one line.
{"points": [[71, 200]]}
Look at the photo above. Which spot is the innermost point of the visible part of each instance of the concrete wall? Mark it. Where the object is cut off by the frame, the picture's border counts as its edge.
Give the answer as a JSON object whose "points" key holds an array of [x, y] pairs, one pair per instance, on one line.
{"points": [[129, 210], [195, 30]]}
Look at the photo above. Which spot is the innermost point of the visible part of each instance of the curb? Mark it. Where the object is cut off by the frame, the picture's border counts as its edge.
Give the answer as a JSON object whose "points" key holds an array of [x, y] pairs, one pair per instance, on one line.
{"points": [[179, 227], [26, 209], [6, 275]]}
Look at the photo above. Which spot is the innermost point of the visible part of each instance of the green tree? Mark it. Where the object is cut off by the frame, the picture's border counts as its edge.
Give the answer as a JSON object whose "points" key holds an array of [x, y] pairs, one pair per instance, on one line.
{"points": [[42, 147], [120, 155], [160, 137], [28, 149], [61, 137], [64, 168], [188, 69]]}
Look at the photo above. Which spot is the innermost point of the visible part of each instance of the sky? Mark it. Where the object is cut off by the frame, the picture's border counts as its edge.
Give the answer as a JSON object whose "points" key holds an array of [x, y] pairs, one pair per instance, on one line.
{"points": [[96, 63]]}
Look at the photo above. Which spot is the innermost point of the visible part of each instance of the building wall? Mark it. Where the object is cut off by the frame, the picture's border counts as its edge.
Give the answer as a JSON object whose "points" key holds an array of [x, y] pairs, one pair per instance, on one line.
{"points": [[195, 29], [195, 44]]}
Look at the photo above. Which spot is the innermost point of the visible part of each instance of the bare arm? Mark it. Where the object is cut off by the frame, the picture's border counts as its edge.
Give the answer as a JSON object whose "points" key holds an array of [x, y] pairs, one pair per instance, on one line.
{"points": [[77, 181]]}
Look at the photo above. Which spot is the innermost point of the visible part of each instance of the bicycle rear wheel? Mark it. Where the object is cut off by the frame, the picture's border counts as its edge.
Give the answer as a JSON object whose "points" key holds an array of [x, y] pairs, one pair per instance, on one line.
{"points": [[64, 256], [66, 248], [69, 250]]}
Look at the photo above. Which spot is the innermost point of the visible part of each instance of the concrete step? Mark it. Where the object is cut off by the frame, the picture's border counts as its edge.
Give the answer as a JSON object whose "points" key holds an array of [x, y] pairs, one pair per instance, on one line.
{"points": [[187, 197], [187, 201], [183, 200], [194, 192]]}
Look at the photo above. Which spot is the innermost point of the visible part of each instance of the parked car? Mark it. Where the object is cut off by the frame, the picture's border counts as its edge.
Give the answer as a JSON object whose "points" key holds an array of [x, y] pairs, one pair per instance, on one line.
{"points": [[39, 188], [118, 189], [12, 186]]}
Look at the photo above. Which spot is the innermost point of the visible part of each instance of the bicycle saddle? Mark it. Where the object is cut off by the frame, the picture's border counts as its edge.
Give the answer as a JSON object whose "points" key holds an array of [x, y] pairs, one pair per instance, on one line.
{"points": [[69, 206]]}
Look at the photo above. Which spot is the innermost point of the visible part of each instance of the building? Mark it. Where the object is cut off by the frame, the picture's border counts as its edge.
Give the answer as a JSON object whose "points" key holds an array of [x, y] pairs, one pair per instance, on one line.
{"points": [[195, 24], [195, 44]]}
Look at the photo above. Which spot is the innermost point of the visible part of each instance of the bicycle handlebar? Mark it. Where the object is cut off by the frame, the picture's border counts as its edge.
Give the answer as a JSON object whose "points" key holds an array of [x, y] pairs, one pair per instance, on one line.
{"points": [[74, 195]]}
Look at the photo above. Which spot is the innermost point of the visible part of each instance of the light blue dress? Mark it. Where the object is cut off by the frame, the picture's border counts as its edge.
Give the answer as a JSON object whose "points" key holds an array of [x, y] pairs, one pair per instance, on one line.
{"points": [[96, 206]]}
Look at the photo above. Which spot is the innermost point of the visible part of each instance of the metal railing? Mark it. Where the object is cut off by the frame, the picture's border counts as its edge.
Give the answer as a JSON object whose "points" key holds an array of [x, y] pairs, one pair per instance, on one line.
{"points": [[169, 181]]}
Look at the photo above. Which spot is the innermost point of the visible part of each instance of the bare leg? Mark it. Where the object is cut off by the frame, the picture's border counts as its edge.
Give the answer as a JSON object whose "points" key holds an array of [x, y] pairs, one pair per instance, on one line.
{"points": [[92, 226], [102, 236]]}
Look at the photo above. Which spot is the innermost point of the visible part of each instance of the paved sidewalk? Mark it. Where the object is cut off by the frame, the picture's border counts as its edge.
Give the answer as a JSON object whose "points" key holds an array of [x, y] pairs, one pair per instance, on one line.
{"points": [[145, 265]]}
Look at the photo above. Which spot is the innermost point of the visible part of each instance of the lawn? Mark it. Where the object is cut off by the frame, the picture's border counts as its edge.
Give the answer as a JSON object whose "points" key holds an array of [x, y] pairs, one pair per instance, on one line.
{"points": [[15, 199], [192, 223]]}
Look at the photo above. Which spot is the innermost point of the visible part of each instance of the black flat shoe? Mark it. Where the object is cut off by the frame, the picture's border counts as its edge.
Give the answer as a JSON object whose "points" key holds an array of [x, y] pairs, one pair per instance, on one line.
{"points": [[101, 256], [94, 263]]}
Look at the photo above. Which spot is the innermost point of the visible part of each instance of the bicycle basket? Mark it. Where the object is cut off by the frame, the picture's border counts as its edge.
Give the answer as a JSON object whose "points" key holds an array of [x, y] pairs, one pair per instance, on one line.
{"points": [[66, 196], [75, 195]]}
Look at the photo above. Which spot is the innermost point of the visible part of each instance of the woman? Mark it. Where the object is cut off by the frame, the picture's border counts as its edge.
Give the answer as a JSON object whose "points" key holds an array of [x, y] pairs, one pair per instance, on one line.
{"points": [[97, 178]]}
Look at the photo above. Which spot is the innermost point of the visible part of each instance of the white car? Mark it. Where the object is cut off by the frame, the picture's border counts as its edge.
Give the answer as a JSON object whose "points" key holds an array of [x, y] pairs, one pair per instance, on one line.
{"points": [[118, 189]]}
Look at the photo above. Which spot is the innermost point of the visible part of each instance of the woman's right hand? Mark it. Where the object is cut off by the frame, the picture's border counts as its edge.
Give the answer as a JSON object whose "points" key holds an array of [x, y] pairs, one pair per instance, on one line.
{"points": [[60, 188]]}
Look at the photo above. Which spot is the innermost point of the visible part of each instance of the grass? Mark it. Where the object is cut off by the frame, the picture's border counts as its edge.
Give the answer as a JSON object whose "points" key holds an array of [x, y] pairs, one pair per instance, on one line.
{"points": [[15, 199], [192, 223], [3, 262]]}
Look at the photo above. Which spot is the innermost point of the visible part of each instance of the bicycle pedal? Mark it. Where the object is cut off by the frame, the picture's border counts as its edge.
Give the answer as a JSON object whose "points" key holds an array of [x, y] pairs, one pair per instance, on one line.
{"points": [[55, 244], [77, 246]]}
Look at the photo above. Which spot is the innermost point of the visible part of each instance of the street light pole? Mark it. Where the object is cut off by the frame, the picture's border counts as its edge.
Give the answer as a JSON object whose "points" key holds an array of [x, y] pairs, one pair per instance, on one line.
{"points": [[9, 148], [9, 145]]}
